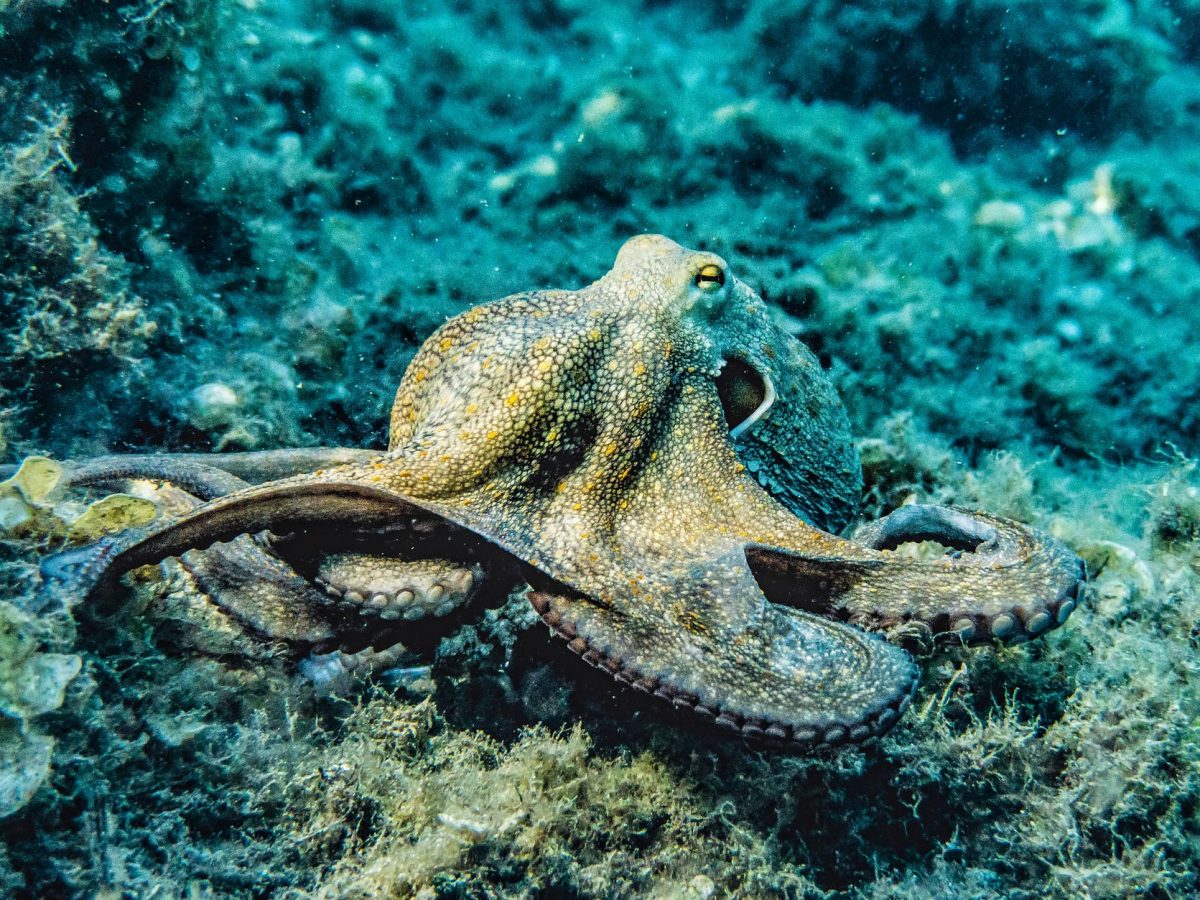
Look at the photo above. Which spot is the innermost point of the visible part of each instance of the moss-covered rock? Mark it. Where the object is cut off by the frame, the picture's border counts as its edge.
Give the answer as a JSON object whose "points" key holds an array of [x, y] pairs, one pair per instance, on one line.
{"points": [[31, 684]]}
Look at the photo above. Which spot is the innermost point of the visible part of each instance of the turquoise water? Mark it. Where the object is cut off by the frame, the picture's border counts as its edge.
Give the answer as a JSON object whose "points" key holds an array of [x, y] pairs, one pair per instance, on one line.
{"points": [[229, 225]]}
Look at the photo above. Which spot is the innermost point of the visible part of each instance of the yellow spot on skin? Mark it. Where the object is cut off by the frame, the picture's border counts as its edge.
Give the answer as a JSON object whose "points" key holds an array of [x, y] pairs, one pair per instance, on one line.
{"points": [[446, 344], [492, 435], [594, 334], [690, 619], [545, 366], [512, 399], [419, 375], [639, 368], [552, 435], [471, 409], [610, 448]]}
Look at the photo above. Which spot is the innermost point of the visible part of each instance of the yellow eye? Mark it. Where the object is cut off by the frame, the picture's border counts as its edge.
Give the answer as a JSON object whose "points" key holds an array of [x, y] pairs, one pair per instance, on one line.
{"points": [[710, 278]]}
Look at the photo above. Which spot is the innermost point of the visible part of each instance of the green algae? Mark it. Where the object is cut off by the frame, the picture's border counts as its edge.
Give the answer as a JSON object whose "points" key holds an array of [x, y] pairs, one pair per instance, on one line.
{"points": [[32, 683], [33, 506], [1068, 763], [284, 201], [64, 298]]}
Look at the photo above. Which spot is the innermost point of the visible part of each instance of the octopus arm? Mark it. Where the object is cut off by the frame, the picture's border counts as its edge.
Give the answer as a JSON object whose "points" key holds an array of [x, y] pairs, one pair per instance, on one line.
{"points": [[792, 678], [209, 475], [995, 579], [281, 506]]}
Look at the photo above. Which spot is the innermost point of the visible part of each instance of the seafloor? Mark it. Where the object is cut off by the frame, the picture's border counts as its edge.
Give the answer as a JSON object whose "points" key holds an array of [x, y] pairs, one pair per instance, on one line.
{"points": [[228, 225]]}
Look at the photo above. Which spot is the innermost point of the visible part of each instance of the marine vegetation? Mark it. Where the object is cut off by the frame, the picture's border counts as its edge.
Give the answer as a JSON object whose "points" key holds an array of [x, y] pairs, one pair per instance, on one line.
{"points": [[227, 227]]}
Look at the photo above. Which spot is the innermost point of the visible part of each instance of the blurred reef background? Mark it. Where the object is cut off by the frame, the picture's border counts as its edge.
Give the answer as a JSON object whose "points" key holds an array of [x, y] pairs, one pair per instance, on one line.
{"points": [[228, 224]]}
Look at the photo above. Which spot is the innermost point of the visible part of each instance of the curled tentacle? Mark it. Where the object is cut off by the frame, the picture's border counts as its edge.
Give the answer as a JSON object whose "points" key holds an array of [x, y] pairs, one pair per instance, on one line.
{"points": [[1001, 580], [280, 506], [259, 466], [208, 475], [794, 679], [261, 591], [250, 467], [200, 479], [390, 588], [249, 581]]}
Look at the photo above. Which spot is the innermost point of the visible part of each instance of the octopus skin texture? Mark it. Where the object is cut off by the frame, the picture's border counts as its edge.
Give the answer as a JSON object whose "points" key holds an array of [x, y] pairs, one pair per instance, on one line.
{"points": [[664, 465]]}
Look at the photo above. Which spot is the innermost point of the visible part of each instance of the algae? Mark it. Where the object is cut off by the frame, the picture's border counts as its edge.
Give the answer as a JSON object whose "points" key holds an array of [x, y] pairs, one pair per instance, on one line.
{"points": [[32, 683], [33, 505], [228, 225]]}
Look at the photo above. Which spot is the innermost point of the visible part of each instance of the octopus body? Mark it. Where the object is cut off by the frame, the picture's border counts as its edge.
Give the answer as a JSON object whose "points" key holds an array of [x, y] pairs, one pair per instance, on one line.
{"points": [[663, 464]]}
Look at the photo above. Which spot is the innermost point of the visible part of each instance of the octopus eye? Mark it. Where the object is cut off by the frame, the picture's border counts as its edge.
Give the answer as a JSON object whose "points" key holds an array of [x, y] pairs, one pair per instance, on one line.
{"points": [[710, 278]]}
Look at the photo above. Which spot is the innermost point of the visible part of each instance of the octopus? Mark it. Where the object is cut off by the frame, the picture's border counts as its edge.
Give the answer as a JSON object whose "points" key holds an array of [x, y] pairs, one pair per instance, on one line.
{"points": [[664, 466]]}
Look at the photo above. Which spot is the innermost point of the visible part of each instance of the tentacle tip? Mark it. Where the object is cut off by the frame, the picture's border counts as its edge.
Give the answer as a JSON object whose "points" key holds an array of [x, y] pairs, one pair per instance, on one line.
{"points": [[72, 575], [1064, 611]]}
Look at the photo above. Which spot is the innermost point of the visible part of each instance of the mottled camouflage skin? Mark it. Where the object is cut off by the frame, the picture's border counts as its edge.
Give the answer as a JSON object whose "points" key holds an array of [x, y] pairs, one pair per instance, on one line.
{"points": [[583, 433]]}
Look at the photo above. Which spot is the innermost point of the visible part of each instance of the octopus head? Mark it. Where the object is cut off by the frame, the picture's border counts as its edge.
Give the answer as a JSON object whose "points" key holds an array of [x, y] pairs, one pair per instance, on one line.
{"points": [[787, 422]]}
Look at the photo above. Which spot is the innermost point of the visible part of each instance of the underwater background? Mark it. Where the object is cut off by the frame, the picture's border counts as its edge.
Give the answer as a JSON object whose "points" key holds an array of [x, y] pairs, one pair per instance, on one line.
{"points": [[228, 224]]}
